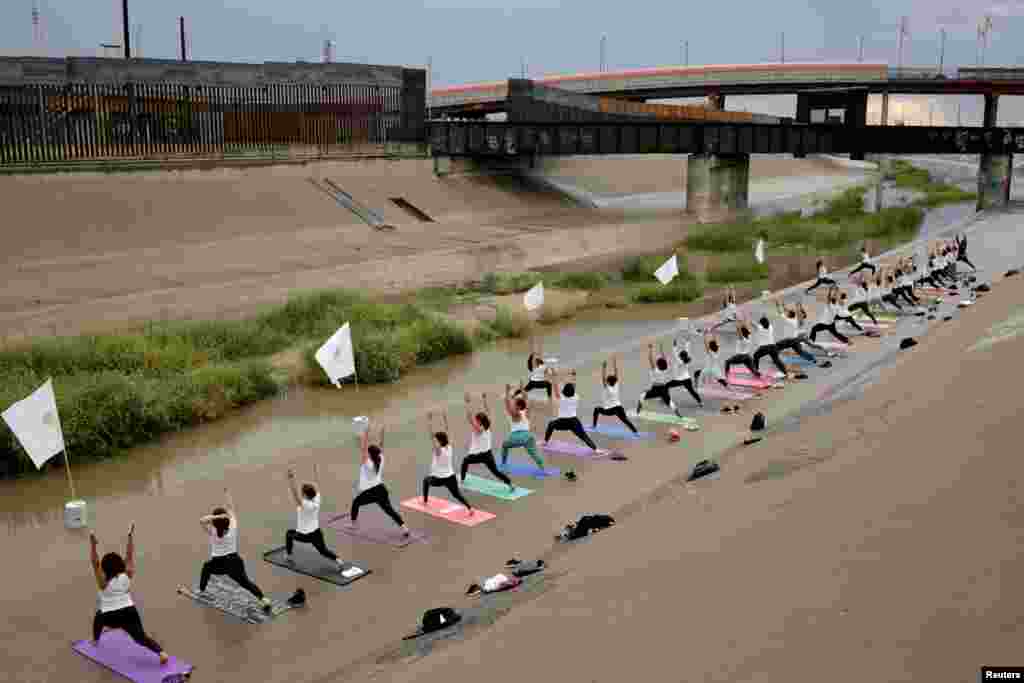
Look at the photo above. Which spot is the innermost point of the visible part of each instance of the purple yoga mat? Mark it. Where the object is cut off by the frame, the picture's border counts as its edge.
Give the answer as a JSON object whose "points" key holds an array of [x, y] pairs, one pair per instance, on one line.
{"points": [[119, 653], [579, 450], [376, 527]]}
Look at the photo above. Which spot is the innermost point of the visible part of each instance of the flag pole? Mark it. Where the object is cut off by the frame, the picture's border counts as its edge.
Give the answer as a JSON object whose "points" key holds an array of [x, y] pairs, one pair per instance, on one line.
{"points": [[67, 461]]}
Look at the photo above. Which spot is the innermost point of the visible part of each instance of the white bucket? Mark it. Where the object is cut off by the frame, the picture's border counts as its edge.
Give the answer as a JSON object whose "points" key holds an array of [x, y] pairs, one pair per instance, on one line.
{"points": [[75, 514], [765, 293], [361, 424]]}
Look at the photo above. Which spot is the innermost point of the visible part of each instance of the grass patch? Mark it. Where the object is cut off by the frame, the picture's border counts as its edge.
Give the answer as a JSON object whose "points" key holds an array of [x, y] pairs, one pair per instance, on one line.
{"points": [[736, 268], [678, 290], [907, 176], [508, 283], [588, 281]]}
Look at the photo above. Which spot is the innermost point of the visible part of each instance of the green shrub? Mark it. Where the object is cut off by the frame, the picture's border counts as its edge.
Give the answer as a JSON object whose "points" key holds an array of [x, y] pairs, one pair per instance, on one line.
{"points": [[721, 237], [508, 283], [589, 281], [742, 269], [642, 269], [677, 290], [508, 323]]}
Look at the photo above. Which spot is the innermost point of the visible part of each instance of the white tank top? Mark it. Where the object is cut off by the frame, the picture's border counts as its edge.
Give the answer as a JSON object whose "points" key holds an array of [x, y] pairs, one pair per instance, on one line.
{"points": [[479, 443], [117, 594], [520, 425], [611, 397], [765, 337], [307, 514], [441, 463], [537, 374], [822, 272], [715, 362], [567, 406], [226, 544], [368, 476], [682, 371], [792, 326], [659, 376], [865, 257], [743, 345]]}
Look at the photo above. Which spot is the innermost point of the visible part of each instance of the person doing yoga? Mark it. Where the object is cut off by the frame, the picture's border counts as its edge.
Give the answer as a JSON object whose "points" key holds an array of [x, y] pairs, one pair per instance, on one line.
{"points": [[442, 469], [659, 382], [766, 346], [730, 312], [827, 321], [805, 336], [519, 434], [861, 296], [865, 262], [221, 526], [611, 403], [568, 403], [886, 290], [538, 371], [681, 360], [841, 309], [480, 450], [905, 283], [715, 369], [961, 251], [307, 526], [371, 481], [744, 347], [823, 278], [116, 608], [792, 339]]}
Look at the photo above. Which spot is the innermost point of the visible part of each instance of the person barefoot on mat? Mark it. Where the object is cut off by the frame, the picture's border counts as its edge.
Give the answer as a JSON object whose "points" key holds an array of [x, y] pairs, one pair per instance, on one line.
{"points": [[612, 405], [538, 371], [221, 526], [307, 526], [730, 312], [567, 420], [961, 251], [823, 278], [865, 262], [827, 321], [841, 309], [442, 471], [860, 300], [766, 345], [791, 335], [117, 610], [659, 383], [744, 347], [371, 482], [479, 451], [681, 360], [805, 336], [887, 291], [519, 433]]}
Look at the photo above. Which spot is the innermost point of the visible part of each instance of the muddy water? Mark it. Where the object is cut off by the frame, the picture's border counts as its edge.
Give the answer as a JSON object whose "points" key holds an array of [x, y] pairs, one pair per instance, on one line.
{"points": [[48, 594]]}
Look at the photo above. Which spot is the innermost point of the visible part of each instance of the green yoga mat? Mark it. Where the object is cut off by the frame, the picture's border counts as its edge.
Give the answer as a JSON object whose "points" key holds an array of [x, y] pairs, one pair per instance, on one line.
{"points": [[687, 422], [492, 487]]}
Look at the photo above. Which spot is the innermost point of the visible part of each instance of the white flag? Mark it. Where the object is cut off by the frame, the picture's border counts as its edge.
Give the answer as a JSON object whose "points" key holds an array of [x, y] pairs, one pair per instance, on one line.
{"points": [[668, 270], [759, 251], [35, 422], [535, 297], [336, 356]]}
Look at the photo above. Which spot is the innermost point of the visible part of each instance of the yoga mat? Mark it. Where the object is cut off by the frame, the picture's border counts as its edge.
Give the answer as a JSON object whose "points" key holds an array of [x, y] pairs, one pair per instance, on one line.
{"points": [[492, 487], [119, 653], [721, 393], [306, 560], [376, 527], [578, 450], [743, 370], [523, 469], [447, 510], [618, 431], [835, 346], [665, 418], [227, 596], [749, 381]]}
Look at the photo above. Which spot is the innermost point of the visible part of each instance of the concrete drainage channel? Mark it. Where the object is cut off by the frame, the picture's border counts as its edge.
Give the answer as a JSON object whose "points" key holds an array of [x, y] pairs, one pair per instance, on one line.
{"points": [[411, 209], [366, 214]]}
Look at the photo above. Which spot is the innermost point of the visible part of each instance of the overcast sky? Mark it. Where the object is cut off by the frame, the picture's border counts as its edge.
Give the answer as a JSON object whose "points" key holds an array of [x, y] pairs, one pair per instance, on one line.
{"points": [[481, 40]]}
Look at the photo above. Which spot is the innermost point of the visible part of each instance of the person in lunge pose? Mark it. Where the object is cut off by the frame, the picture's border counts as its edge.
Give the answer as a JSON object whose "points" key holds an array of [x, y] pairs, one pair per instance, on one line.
{"points": [[659, 382], [568, 419], [841, 310], [221, 526], [730, 313], [827, 321], [538, 371], [865, 262], [612, 404], [805, 336], [823, 278], [681, 360], [307, 527], [792, 339], [116, 608], [861, 296], [886, 289], [519, 433], [371, 481], [961, 251], [715, 370], [766, 345], [744, 348], [479, 451], [442, 469]]}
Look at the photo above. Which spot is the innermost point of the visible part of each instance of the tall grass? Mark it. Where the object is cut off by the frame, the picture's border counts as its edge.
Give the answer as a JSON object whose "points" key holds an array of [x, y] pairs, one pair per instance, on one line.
{"points": [[907, 176], [678, 290], [740, 267]]}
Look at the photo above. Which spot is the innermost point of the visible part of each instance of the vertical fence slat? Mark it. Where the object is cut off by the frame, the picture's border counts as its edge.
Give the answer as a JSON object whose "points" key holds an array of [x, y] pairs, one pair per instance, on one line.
{"points": [[17, 129]]}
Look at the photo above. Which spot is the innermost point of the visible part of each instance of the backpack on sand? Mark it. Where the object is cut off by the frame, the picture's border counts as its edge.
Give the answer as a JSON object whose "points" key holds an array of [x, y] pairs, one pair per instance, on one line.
{"points": [[438, 618]]}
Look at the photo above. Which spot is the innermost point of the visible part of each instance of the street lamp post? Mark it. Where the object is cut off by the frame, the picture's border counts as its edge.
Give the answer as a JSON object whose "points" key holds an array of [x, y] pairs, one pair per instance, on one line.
{"points": [[942, 49], [860, 49], [782, 49], [604, 40]]}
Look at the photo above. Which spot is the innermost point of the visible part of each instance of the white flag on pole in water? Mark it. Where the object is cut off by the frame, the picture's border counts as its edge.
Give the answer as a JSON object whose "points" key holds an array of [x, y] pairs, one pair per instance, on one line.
{"points": [[336, 356], [759, 250], [668, 270], [535, 297], [35, 422]]}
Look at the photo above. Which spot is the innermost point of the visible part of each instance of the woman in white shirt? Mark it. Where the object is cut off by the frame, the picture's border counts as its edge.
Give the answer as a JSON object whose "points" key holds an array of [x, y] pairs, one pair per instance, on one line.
{"points": [[538, 371], [480, 450], [681, 360], [519, 433], [116, 608], [568, 420], [861, 296], [659, 382], [612, 405], [765, 332], [791, 337], [827, 321], [442, 469], [371, 482], [841, 309], [865, 262], [715, 368], [823, 278], [307, 526], [222, 529], [730, 313], [744, 348]]}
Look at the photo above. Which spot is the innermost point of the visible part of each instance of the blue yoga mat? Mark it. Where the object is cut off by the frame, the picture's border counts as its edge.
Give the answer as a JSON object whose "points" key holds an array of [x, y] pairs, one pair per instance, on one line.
{"points": [[522, 469], [619, 432]]}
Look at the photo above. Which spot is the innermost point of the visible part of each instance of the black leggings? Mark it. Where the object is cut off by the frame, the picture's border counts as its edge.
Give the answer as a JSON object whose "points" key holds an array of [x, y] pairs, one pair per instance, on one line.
{"points": [[487, 460], [375, 494], [450, 483], [891, 299], [907, 295], [863, 266], [314, 537], [797, 345], [569, 424], [742, 359], [863, 307], [819, 282], [231, 566], [688, 385], [849, 319], [531, 385], [659, 391], [128, 620], [831, 329], [772, 351], [617, 411], [963, 257]]}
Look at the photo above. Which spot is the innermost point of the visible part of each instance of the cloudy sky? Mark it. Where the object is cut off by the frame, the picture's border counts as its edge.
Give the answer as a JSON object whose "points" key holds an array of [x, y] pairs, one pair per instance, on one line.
{"points": [[480, 40]]}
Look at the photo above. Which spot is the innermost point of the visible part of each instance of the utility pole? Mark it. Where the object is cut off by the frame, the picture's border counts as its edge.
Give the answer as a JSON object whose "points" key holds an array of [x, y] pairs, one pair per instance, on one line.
{"points": [[686, 53], [942, 49], [430, 81], [860, 49], [903, 33], [958, 114], [604, 40], [522, 67], [126, 29], [783, 48], [983, 30], [181, 37]]}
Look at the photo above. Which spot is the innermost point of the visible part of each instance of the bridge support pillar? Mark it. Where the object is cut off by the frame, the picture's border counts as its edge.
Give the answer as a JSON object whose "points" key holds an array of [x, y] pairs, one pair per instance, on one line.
{"points": [[994, 170], [717, 186]]}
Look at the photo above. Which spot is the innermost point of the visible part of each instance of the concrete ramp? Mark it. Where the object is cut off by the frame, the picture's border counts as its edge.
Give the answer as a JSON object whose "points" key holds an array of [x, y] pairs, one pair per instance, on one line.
{"points": [[366, 214]]}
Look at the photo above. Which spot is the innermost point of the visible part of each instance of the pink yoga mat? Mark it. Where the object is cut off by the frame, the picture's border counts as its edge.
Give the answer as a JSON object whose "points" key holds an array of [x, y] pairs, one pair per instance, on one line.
{"points": [[376, 527], [447, 510], [834, 345], [579, 450], [748, 381], [742, 370], [723, 394], [119, 653]]}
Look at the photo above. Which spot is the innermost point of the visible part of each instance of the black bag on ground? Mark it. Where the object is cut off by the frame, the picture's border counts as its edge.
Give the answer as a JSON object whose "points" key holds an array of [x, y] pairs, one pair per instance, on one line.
{"points": [[983, 288], [438, 618], [702, 469], [527, 568], [757, 424], [586, 525], [907, 342], [298, 598]]}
